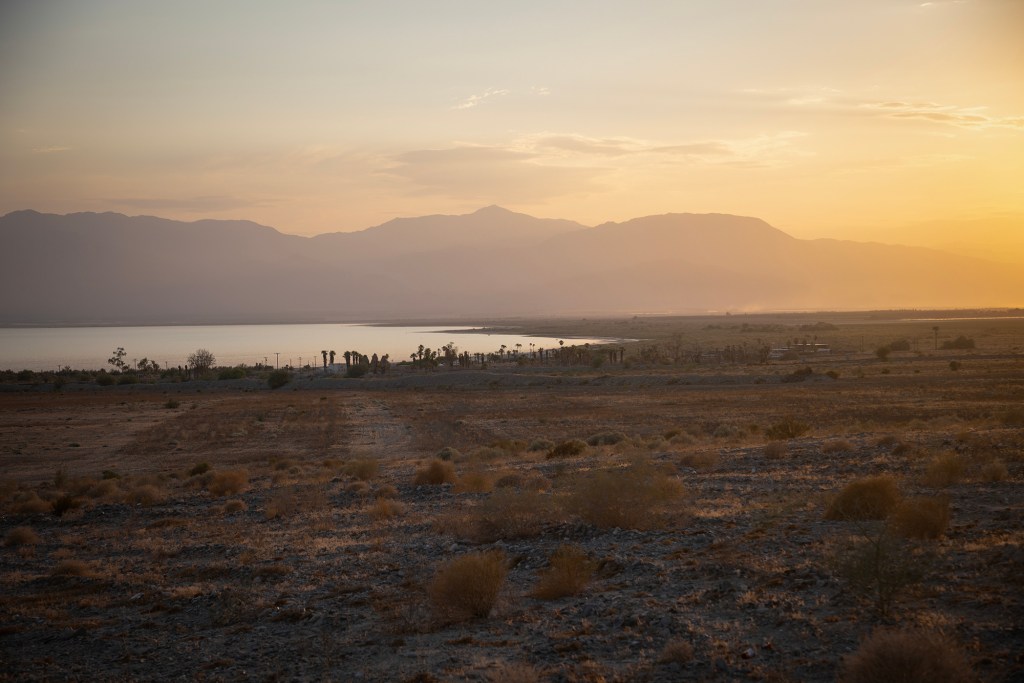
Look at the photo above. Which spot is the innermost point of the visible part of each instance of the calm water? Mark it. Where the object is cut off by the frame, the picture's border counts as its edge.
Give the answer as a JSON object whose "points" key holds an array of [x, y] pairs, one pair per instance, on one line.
{"points": [[88, 348]]}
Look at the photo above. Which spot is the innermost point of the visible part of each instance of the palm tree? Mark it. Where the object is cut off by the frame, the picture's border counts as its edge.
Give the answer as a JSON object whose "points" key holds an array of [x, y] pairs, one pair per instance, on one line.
{"points": [[332, 357], [348, 360], [324, 354]]}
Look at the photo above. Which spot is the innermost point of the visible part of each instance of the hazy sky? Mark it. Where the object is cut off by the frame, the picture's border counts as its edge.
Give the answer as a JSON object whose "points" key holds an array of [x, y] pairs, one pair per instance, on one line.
{"points": [[827, 118]]}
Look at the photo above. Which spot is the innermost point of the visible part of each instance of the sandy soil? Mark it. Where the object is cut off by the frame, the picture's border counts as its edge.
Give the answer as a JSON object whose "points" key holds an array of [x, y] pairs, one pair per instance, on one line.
{"points": [[303, 574]]}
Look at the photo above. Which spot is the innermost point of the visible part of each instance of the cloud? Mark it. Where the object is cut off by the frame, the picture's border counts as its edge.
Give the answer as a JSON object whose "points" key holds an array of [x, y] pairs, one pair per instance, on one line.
{"points": [[52, 149], [476, 100], [494, 174], [963, 117]]}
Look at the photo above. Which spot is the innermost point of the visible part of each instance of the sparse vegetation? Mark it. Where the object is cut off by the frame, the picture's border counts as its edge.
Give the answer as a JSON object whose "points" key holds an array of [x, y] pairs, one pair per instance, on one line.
{"points": [[788, 428], [567, 449], [626, 498], [21, 535], [908, 656], [467, 587], [228, 482], [868, 498], [922, 517], [569, 573], [435, 473], [944, 470]]}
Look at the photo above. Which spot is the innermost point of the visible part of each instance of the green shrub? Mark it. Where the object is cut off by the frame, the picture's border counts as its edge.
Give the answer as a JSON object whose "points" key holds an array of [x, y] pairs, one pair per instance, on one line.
{"points": [[278, 378], [357, 370]]}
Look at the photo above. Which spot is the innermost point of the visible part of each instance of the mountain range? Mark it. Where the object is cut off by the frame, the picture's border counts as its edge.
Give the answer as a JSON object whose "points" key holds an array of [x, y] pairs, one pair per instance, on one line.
{"points": [[107, 268]]}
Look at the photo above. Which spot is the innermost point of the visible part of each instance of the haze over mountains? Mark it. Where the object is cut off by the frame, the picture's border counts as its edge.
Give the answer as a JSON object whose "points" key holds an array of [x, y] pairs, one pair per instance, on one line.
{"points": [[114, 269]]}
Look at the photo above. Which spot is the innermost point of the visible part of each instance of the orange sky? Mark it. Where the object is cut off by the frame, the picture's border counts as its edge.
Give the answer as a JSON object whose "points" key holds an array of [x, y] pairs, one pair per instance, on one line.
{"points": [[879, 119]]}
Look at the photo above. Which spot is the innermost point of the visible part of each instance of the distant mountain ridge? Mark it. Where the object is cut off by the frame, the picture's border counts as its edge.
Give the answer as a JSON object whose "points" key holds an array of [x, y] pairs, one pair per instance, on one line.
{"points": [[107, 268]]}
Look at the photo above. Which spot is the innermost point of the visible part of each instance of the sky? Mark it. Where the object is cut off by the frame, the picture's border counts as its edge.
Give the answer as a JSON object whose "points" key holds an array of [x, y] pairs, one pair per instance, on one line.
{"points": [[886, 120]]}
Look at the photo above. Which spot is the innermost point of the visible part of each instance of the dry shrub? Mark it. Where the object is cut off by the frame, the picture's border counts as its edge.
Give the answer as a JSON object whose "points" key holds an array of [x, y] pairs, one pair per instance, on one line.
{"points": [[448, 453], [775, 450], [234, 505], [21, 535], [868, 498], [435, 473], [920, 517], [510, 513], [385, 508], [199, 468], [144, 495], [907, 656], [676, 650], [386, 491], [569, 573], [880, 566], [475, 481], [468, 586], [363, 469], [282, 503], [31, 503], [531, 481], [788, 428], [228, 482], [64, 504], [628, 498], [107, 488], [704, 460], [944, 470], [72, 568], [994, 471], [540, 445], [837, 446], [567, 449], [514, 673], [606, 439]]}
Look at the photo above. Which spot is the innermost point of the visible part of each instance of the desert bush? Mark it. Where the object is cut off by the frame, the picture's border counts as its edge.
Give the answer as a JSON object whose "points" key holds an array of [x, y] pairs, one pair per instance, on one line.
{"points": [[798, 375], [386, 491], [509, 445], [606, 439], [568, 449], [546, 445], [65, 504], [278, 378], [627, 498], [509, 514], [105, 380], [231, 373], [21, 535], [474, 481], [883, 353], [955, 365], [171, 404], [363, 469], [960, 342], [514, 673], [569, 573], [676, 650], [234, 505], [703, 460], [879, 565], [944, 470], [775, 450], [199, 468], [868, 498], [900, 345], [467, 587], [533, 481], [357, 370], [110, 474], [435, 473], [31, 503], [837, 446], [144, 495], [448, 453], [788, 428], [906, 656], [994, 471], [69, 567], [106, 488], [385, 508], [922, 517], [282, 503], [228, 482]]}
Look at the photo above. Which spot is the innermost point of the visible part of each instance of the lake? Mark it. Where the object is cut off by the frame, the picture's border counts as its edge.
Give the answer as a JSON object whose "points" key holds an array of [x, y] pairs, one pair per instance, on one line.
{"points": [[88, 348]]}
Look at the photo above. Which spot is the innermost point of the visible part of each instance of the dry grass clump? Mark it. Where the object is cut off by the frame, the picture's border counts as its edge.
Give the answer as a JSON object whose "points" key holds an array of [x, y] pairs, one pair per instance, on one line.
{"points": [[788, 428], [944, 470], [70, 567], [994, 471], [677, 650], [282, 503], [21, 535], [65, 504], [837, 446], [228, 482], [907, 656], [868, 498], [921, 517], [881, 567], [703, 460], [31, 503], [569, 573], [199, 468], [627, 498], [532, 481], [449, 453], [144, 495], [475, 481], [514, 673], [363, 469], [435, 473], [385, 508], [386, 491], [776, 450], [606, 439], [234, 505], [106, 488], [511, 513], [540, 445], [567, 449], [468, 586]]}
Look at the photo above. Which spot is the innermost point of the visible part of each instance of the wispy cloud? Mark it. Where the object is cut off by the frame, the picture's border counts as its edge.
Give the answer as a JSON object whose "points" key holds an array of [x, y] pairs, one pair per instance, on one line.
{"points": [[52, 149], [476, 100], [963, 117]]}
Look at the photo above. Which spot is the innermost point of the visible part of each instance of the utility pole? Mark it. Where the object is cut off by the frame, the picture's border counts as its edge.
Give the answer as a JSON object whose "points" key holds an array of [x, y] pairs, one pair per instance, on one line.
{"points": [[277, 354]]}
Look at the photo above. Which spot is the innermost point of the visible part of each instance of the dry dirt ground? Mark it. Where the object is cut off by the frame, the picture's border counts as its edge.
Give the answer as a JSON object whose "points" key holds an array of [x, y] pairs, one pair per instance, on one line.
{"points": [[231, 532]]}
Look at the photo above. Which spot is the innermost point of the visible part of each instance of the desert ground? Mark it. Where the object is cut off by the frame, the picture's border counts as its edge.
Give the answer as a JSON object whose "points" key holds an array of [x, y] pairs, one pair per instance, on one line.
{"points": [[652, 520]]}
